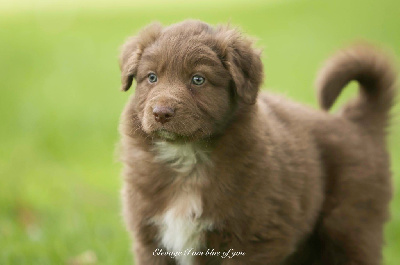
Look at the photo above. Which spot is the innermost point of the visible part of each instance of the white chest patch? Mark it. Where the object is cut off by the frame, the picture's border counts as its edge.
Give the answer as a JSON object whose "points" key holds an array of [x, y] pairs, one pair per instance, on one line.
{"points": [[181, 226]]}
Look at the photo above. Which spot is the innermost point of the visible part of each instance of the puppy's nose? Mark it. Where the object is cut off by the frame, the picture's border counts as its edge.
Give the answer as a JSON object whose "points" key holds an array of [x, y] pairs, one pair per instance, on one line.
{"points": [[163, 114]]}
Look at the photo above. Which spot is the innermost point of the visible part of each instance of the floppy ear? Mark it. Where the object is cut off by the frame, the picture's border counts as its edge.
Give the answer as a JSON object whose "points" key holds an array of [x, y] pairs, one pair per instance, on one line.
{"points": [[243, 62], [132, 50]]}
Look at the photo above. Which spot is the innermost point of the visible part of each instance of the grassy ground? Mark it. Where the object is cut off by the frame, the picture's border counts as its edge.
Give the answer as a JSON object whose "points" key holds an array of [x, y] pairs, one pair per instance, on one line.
{"points": [[60, 105]]}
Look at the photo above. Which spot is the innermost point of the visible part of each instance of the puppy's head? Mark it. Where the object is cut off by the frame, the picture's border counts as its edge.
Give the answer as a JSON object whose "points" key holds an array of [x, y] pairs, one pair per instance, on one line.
{"points": [[190, 78]]}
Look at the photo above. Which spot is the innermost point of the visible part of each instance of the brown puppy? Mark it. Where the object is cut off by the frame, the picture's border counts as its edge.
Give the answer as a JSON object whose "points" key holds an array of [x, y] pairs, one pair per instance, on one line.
{"points": [[209, 166]]}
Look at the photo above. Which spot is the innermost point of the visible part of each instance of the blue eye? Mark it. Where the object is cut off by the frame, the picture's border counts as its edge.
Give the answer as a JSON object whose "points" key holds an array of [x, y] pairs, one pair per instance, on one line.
{"points": [[198, 80], [152, 78]]}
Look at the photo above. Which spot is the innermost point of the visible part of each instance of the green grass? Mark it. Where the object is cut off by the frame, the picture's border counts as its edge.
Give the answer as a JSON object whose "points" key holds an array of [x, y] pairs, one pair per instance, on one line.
{"points": [[60, 105]]}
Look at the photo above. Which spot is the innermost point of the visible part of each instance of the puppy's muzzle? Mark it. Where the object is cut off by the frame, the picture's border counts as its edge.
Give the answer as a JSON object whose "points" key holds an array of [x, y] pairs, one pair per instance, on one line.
{"points": [[163, 114]]}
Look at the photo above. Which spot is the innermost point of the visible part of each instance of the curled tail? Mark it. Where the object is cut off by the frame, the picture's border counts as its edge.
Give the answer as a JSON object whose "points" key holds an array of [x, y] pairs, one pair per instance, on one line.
{"points": [[376, 77]]}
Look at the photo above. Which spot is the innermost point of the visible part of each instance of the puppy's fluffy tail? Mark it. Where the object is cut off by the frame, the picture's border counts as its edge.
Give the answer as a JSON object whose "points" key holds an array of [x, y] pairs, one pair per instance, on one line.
{"points": [[376, 77]]}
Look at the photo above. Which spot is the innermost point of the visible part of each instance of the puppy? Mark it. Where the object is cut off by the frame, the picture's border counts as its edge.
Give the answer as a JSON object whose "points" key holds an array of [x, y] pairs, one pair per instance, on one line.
{"points": [[214, 174]]}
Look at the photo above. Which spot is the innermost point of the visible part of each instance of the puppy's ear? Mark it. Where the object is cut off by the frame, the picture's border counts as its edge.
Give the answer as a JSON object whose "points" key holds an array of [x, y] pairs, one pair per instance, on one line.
{"points": [[132, 50], [243, 62]]}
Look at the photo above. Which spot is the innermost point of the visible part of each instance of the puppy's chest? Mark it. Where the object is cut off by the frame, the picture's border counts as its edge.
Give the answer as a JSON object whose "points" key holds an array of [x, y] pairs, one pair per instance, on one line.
{"points": [[182, 225], [181, 228]]}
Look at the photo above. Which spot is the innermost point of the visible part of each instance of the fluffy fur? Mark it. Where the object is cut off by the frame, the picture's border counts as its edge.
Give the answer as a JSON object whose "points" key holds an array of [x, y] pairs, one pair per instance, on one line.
{"points": [[260, 174]]}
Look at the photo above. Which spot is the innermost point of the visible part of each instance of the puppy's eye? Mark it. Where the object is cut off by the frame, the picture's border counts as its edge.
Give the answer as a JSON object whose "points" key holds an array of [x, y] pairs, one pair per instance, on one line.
{"points": [[198, 80], [152, 78]]}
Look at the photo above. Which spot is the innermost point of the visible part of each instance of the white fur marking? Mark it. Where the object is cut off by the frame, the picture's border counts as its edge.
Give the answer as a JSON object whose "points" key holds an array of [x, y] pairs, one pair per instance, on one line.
{"points": [[181, 227]]}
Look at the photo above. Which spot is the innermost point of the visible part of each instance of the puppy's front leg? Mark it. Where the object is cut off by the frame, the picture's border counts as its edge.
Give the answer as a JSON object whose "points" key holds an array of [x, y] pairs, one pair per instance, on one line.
{"points": [[251, 261], [273, 253]]}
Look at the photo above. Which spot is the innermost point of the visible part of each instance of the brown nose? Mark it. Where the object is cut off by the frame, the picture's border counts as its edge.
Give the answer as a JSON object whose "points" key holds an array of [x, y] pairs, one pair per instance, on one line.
{"points": [[163, 114]]}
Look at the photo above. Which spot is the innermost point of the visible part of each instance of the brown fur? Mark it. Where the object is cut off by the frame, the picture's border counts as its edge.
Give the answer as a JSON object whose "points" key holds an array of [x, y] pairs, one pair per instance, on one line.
{"points": [[282, 182]]}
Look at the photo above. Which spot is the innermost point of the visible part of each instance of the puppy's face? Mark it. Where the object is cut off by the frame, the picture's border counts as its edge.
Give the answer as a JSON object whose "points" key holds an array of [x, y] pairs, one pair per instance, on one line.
{"points": [[182, 88], [190, 77]]}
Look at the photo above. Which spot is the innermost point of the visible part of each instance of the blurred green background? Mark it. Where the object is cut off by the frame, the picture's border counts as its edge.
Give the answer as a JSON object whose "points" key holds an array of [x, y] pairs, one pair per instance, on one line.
{"points": [[60, 104]]}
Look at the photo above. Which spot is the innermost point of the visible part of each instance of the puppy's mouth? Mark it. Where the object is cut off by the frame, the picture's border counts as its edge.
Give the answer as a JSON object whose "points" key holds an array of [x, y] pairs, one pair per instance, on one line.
{"points": [[170, 136], [166, 135]]}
